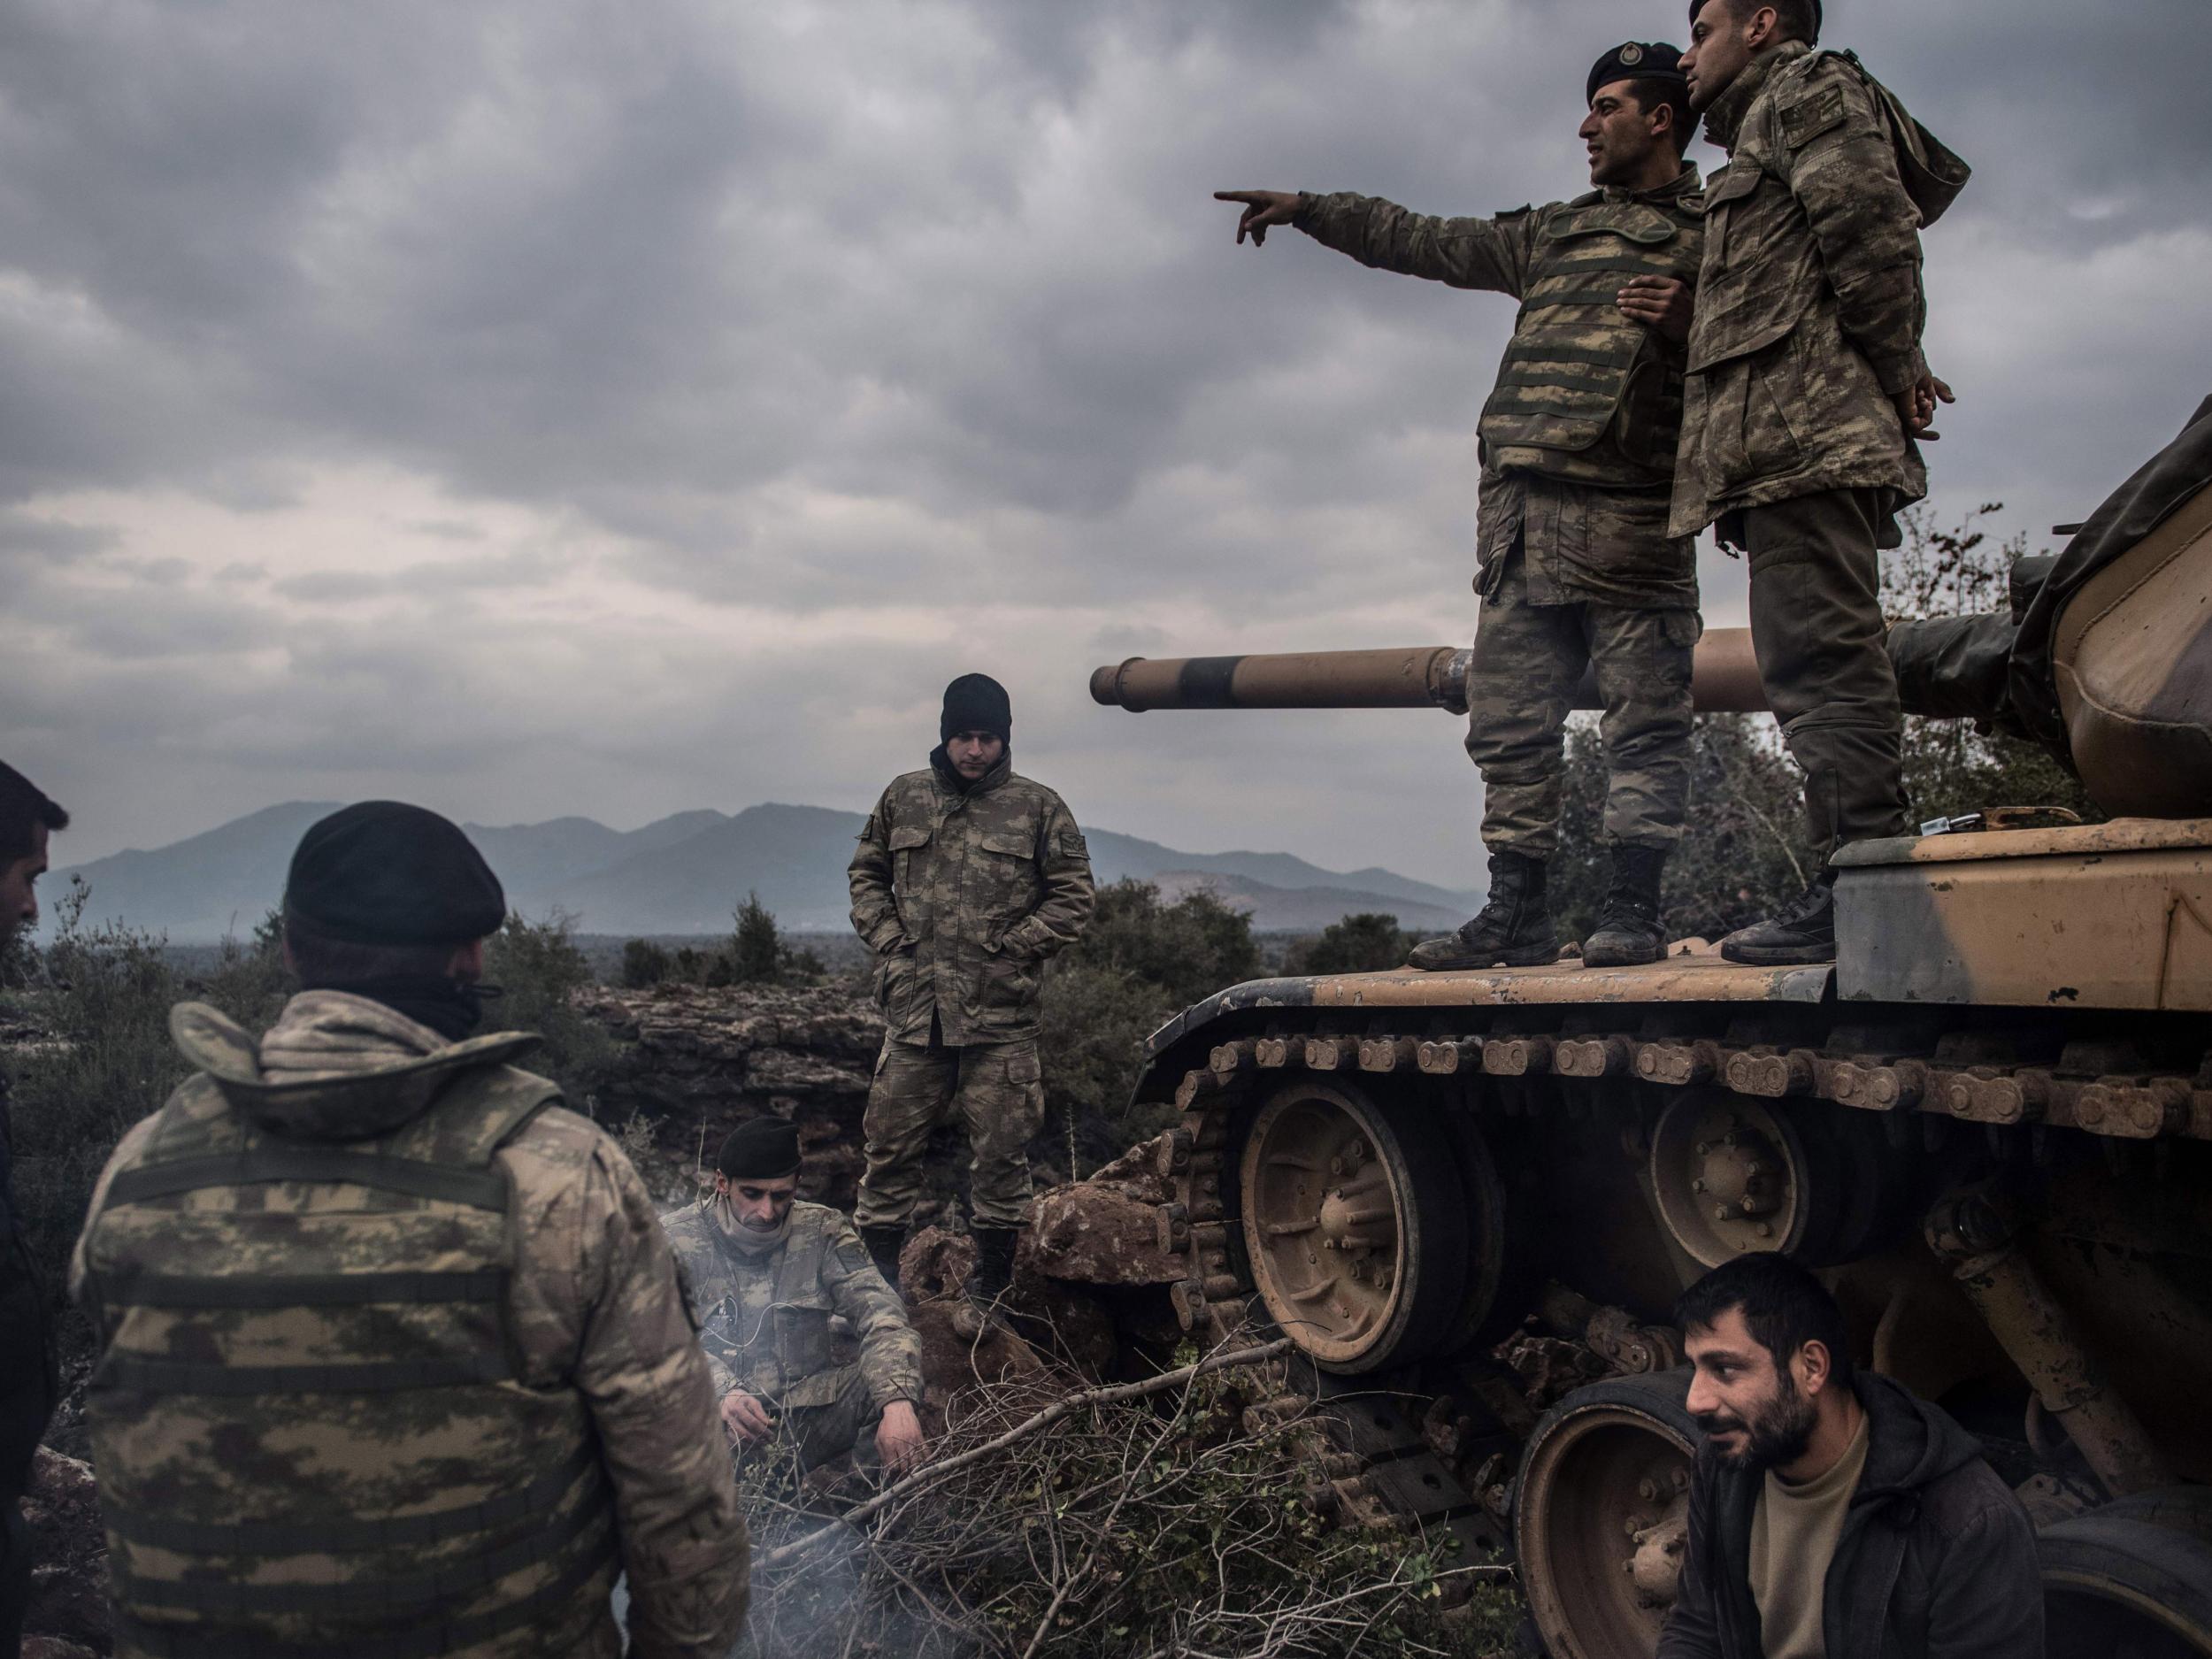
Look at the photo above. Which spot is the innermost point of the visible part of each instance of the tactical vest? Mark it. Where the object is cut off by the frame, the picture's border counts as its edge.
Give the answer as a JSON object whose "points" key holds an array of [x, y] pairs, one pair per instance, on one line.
{"points": [[773, 1330], [1576, 369], [312, 1431]]}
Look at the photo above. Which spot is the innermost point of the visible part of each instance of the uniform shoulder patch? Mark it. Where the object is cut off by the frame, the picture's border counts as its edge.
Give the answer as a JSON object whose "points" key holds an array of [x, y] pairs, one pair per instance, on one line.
{"points": [[1072, 845], [1811, 115]]}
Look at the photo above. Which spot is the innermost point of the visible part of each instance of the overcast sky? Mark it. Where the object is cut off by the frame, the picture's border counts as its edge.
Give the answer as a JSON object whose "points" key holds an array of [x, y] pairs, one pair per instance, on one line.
{"points": [[541, 408]]}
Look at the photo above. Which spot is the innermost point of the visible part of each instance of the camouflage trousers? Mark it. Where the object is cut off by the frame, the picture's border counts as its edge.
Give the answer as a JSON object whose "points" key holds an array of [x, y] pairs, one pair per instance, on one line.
{"points": [[996, 1089], [819, 1434], [1529, 661], [1817, 630]]}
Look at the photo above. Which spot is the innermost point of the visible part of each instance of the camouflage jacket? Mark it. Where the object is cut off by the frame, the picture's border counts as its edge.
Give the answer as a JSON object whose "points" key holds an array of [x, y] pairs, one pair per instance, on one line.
{"points": [[764, 1320], [360, 1149], [1809, 307], [1578, 433], [964, 896]]}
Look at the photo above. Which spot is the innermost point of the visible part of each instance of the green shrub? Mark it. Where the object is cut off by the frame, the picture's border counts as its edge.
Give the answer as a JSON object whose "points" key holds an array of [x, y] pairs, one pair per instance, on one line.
{"points": [[539, 970], [644, 963], [1363, 943], [1138, 963]]}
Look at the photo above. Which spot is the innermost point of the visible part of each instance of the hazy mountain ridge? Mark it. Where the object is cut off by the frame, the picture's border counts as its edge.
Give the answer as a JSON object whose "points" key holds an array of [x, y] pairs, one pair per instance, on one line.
{"points": [[685, 873]]}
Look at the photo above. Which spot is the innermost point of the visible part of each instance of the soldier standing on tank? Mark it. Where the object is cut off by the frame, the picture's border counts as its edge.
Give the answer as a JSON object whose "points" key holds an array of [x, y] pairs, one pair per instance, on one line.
{"points": [[766, 1270], [1577, 568], [393, 1354], [967, 878], [30, 1382], [1806, 393]]}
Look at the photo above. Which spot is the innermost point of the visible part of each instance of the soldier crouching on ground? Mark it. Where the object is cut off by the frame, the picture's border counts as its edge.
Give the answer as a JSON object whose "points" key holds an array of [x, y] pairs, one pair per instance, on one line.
{"points": [[1807, 395], [968, 877], [1577, 569], [393, 1354], [767, 1272], [1832, 1514]]}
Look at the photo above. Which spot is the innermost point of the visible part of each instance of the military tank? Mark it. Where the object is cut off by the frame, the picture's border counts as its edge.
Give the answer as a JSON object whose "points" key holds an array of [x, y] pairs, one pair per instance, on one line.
{"points": [[1986, 1124]]}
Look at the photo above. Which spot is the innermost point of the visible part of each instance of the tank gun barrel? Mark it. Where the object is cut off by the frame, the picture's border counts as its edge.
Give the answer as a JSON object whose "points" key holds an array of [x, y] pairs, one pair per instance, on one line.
{"points": [[1726, 679]]}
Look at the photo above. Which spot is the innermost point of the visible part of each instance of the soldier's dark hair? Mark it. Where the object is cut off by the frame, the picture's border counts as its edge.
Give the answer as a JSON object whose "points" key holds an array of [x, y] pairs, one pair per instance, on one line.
{"points": [[24, 808], [325, 963], [1784, 1307], [1674, 92], [1794, 20]]}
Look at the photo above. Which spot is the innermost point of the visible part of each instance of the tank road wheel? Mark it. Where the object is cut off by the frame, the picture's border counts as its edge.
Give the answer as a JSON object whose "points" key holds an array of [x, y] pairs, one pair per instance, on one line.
{"points": [[1603, 1515], [2132, 1580], [1354, 1224]]}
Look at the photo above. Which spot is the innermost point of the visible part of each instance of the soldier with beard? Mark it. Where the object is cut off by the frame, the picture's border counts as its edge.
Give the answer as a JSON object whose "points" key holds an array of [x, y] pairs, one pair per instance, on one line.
{"points": [[766, 1270], [968, 878], [1833, 1515], [1577, 568]]}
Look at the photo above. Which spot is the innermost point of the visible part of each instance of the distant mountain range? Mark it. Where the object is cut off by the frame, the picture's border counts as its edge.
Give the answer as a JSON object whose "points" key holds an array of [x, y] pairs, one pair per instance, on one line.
{"points": [[686, 874]]}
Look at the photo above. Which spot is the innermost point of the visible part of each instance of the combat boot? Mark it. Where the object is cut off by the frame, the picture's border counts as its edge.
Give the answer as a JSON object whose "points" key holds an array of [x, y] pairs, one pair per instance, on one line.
{"points": [[883, 1244], [993, 1265], [1802, 931], [1514, 930], [1629, 932]]}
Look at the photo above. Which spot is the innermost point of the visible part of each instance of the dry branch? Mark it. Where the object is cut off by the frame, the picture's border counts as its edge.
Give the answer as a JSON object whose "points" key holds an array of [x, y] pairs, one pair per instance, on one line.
{"points": [[1059, 1408]]}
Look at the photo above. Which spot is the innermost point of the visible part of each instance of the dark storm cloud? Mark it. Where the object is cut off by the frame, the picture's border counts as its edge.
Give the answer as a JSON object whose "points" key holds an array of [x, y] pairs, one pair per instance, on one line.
{"points": [[823, 323]]}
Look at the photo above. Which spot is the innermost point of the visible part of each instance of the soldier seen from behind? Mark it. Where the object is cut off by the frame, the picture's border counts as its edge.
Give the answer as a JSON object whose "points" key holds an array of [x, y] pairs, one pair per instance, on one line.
{"points": [[1807, 395], [394, 1356], [1833, 1515], [29, 1385], [767, 1272], [968, 878], [1575, 565]]}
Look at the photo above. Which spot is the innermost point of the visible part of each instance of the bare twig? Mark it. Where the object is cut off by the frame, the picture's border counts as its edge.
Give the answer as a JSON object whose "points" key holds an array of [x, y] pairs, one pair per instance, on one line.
{"points": [[1058, 1409]]}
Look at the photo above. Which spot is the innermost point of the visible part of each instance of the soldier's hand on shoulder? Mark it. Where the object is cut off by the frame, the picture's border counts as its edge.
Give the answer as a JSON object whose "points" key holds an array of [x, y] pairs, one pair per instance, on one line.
{"points": [[900, 1441], [1662, 303], [1263, 208], [745, 1418]]}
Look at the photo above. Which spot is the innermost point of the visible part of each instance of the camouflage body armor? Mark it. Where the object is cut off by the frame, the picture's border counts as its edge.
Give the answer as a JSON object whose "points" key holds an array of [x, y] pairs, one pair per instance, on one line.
{"points": [[313, 1430], [1577, 368]]}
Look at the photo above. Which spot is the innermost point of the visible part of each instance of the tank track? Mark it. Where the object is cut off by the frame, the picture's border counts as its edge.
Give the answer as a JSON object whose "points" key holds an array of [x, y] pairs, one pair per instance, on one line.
{"points": [[1385, 1462]]}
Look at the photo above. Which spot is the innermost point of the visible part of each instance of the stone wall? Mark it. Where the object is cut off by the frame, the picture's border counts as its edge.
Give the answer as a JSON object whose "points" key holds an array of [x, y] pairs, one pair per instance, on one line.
{"points": [[695, 1063]]}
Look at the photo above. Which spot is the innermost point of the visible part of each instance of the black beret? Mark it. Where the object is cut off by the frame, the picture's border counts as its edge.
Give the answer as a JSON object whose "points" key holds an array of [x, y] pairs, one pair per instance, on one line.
{"points": [[760, 1149], [1635, 60], [1697, 6], [977, 702], [383, 873]]}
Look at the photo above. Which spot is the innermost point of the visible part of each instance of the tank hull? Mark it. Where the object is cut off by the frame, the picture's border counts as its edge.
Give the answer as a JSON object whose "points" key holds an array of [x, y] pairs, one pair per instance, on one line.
{"points": [[1990, 1128]]}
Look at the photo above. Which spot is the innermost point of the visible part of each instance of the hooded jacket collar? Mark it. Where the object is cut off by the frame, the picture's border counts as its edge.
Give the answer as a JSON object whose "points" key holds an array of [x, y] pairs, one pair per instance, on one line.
{"points": [[1723, 117], [334, 1066], [949, 775]]}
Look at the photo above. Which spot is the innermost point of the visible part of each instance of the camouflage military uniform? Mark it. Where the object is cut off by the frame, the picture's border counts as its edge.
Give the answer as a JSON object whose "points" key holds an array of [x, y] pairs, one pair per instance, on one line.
{"points": [[962, 894], [764, 1319], [1575, 565], [394, 1360], [1809, 319]]}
